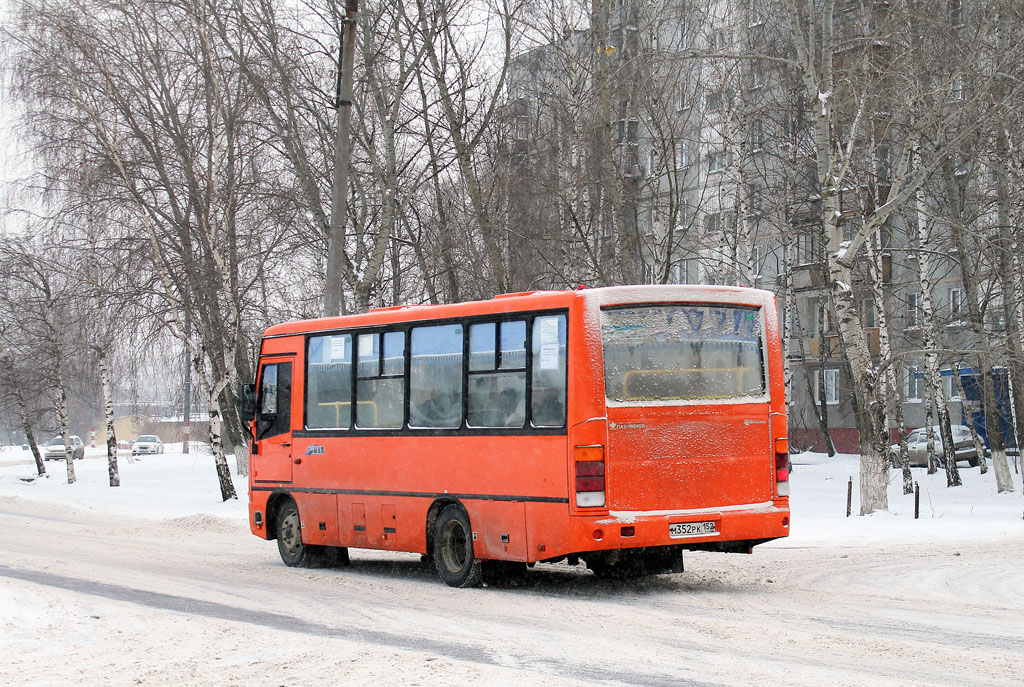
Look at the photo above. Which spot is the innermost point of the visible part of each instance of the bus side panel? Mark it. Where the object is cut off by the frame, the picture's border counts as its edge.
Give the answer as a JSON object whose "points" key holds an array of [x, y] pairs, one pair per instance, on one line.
{"points": [[500, 529], [548, 531], [319, 514], [491, 476]]}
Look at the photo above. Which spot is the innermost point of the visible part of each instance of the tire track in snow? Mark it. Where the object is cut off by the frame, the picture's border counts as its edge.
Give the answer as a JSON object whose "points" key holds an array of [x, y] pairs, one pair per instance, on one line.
{"points": [[508, 657]]}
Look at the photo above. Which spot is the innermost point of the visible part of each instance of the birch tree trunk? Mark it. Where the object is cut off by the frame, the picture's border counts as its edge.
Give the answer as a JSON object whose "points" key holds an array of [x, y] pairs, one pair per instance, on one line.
{"points": [[61, 406], [108, 414], [929, 322], [31, 438], [893, 395]]}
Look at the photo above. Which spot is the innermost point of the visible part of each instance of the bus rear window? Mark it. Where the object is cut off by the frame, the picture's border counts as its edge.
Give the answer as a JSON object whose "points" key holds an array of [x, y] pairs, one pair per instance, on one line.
{"points": [[682, 352]]}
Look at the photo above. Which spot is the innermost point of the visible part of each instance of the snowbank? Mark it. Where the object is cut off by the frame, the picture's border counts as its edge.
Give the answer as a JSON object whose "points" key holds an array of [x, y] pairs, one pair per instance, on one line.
{"points": [[168, 485]]}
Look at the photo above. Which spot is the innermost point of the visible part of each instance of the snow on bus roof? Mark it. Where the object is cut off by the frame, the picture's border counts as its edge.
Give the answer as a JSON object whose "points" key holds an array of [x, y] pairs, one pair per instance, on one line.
{"points": [[593, 299], [623, 295]]}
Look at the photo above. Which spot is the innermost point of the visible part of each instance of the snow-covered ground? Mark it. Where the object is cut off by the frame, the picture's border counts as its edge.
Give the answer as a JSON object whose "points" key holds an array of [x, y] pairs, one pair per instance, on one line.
{"points": [[158, 582], [177, 485], [167, 485]]}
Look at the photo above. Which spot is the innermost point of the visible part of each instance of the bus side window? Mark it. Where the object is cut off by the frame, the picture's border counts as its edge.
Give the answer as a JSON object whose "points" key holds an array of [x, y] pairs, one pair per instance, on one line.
{"points": [[435, 377], [497, 374], [329, 382], [549, 371], [380, 387]]}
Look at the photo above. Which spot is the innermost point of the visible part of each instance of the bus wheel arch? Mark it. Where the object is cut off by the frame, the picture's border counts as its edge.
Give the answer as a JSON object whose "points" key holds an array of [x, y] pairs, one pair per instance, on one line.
{"points": [[274, 503], [431, 524], [452, 548], [287, 529]]}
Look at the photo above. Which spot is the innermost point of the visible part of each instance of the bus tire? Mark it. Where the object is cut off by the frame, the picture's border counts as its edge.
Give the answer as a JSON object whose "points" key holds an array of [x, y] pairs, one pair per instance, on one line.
{"points": [[294, 552], [453, 549]]}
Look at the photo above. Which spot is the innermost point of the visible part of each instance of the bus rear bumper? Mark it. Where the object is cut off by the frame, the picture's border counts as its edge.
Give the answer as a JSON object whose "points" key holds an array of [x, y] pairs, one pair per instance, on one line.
{"points": [[734, 529]]}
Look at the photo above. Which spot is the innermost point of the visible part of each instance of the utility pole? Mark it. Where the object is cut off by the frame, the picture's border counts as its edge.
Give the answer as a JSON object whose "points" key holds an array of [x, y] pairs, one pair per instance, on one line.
{"points": [[333, 301]]}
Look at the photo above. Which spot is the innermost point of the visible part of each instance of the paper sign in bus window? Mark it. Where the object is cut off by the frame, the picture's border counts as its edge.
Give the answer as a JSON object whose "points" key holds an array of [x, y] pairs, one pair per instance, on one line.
{"points": [[338, 346], [548, 333]]}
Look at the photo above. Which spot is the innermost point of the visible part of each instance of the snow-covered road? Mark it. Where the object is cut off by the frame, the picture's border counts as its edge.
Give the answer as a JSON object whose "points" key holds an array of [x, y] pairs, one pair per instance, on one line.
{"points": [[101, 599]]}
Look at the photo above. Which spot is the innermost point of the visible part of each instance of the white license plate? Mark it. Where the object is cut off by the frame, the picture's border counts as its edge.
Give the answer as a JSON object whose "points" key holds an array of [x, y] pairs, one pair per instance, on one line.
{"points": [[691, 529]]}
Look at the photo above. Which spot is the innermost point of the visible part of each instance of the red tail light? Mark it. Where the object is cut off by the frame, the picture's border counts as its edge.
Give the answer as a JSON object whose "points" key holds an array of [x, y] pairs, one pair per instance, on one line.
{"points": [[589, 473], [781, 467], [782, 474]]}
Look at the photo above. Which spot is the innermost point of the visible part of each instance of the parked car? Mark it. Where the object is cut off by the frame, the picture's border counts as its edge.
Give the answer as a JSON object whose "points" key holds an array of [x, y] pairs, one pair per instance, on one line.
{"points": [[55, 449], [147, 443], [917, 446]]}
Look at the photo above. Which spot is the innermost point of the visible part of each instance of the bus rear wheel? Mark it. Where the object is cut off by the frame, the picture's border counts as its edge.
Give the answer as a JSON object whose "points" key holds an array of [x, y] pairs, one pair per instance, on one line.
{"points": [[453, 549]]}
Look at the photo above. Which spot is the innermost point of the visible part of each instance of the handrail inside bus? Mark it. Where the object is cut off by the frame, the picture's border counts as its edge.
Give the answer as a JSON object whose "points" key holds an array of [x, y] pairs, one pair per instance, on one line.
{"points": [[738, 369], [337, 410]]}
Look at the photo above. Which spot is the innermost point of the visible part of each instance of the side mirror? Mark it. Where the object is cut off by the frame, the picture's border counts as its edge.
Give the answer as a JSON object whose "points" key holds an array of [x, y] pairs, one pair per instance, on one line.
{"points": [[248, 398]]}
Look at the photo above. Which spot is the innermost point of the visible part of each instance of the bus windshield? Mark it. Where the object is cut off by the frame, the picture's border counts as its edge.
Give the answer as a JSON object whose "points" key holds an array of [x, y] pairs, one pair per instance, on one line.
{"points": [[682, 352]]}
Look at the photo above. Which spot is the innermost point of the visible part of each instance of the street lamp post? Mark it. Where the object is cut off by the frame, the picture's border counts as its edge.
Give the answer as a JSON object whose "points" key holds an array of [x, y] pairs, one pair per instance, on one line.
{"points": [[342, 156]]}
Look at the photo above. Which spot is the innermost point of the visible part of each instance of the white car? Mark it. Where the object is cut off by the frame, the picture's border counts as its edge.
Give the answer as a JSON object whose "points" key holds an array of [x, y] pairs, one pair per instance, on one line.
{"points": [[147, 443], [55, 449], [917, 446]]}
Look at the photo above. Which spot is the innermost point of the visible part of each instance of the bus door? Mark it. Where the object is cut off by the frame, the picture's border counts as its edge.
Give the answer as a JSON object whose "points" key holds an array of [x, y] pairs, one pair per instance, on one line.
{"points": [[273, 436]]}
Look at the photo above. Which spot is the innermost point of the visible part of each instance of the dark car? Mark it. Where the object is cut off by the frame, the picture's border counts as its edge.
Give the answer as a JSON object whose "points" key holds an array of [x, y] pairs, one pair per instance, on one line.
{"points": [[917, 446]]}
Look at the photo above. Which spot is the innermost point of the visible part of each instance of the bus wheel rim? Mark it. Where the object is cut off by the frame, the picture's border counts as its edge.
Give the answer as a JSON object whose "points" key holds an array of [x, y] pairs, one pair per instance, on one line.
{"points": [[290, 532], [454, 551]]}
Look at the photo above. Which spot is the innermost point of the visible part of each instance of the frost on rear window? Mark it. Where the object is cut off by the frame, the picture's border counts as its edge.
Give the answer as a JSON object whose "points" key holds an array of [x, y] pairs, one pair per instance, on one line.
{"points": [[682, 352]]}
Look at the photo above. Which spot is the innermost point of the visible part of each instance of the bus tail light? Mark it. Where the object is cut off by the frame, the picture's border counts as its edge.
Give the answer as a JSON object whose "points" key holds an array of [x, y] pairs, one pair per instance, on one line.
{"points": [[782, 474], [589, 476]]}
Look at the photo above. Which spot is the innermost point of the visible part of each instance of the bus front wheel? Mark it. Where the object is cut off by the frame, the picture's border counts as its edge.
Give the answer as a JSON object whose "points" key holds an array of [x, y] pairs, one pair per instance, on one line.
{"points": [[453, 549], [297, 554]]}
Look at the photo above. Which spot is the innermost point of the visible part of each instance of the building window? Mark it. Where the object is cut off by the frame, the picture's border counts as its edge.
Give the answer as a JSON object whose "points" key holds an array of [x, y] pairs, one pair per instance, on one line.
{"points": [[682, 101], [867, 313], [831, 387], [715, 101], [757, 258], [755, 199], [807, 248], [722, 39], [713, 223], [683, 157], [652, 160], [717, 161], [915, 383], [757, 79], [957, 305], [950, 389], [684, 35], [756, 135], [627, 129], [913, 309], [522, 129], [956, 12], [957, 87]]}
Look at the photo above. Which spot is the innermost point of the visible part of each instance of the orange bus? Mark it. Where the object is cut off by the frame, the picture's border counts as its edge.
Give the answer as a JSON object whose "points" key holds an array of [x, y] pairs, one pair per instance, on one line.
{"points": [[616, 426]]}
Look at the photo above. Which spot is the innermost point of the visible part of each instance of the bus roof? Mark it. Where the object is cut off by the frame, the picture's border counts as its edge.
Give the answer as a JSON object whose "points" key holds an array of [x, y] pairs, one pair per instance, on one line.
{"points": [[532, 300]]}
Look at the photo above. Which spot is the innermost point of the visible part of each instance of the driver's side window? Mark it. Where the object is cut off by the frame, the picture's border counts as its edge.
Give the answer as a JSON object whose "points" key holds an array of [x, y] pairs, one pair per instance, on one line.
{"points": [[274, 400], [268, 390]]}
